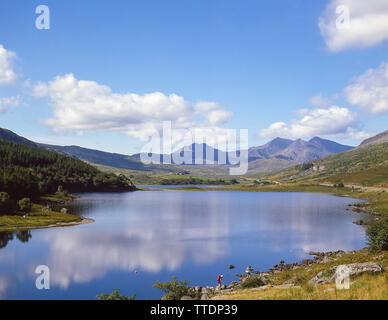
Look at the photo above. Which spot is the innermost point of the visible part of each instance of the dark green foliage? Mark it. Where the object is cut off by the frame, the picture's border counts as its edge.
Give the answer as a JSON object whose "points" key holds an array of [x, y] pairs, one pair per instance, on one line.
{"points": [[28, 171], [377, 235], [339, 185], [25, 205], [115, 295], [252, 282], [6, 204], [306, 166], [173, 290]]}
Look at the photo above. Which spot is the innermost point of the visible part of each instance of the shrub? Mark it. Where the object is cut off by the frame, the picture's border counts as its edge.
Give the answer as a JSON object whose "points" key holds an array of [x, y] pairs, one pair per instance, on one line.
{"points": [[339, 185], [25, 205], [306, 166], [115, 295], [173, 290], [252, 282], [377, 235]]}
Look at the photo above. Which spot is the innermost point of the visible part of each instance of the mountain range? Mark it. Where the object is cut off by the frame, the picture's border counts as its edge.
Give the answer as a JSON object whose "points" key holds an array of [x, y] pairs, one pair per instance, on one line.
{"points": [[276, 154], [366, 165]]}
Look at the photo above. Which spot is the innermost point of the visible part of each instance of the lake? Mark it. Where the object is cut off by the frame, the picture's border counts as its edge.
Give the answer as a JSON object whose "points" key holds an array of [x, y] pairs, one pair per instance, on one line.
{"points": [[141, 237]]}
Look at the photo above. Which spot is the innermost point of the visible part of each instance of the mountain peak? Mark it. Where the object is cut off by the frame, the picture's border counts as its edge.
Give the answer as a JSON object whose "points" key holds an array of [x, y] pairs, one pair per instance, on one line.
{"points": [[316, 138]]}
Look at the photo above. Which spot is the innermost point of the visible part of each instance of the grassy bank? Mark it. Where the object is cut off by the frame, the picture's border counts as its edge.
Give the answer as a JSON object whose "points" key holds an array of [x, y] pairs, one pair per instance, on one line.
{"points": [[40, 217], [364, 287]]}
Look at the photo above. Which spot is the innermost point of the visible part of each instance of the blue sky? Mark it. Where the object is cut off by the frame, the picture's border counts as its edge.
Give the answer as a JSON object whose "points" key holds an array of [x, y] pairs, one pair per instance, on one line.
{"points": [[261, 61]]}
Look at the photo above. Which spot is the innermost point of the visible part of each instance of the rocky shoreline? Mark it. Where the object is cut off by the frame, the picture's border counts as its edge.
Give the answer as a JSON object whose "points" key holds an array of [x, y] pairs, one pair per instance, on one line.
{"points": [[263, 282]]}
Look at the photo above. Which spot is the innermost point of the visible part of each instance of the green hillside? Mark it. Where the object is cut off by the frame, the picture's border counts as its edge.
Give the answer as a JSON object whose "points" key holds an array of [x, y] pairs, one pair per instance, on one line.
{"points": [[31, 172], [367, 166]]}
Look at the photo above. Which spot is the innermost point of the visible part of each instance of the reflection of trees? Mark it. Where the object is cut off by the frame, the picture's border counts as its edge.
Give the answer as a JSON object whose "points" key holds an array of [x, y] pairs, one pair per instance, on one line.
{"points": [[23, 236], [5, 238]]}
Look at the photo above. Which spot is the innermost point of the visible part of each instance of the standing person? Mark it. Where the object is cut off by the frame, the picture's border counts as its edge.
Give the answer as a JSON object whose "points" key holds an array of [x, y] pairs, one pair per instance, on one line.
{"points": [[219, 280]]}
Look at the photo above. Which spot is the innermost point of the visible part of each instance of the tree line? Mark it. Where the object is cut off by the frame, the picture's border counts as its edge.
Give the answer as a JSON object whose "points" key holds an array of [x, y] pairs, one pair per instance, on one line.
{"points": [[31, 172]]}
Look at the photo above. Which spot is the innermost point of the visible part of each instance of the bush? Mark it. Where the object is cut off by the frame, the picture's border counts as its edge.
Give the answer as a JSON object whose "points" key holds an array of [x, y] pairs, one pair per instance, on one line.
{"points": [[252, 282], [173, 290], [306, 166], [115, 295], [377, 235], [25, 205]]}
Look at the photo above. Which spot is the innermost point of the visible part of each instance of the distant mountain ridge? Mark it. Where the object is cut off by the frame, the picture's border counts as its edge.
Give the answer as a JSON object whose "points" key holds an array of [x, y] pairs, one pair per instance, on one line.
{"points": [[298, 150], [274, 155], [99, 157], [366, 165]]}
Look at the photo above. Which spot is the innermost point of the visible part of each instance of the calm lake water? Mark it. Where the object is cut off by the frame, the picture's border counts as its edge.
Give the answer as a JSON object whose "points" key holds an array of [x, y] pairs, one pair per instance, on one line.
{"points": [[193, 235]]}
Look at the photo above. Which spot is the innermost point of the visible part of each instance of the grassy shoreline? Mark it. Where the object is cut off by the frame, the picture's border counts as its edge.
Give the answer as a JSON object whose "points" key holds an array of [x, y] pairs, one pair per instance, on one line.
{"points": [[40, 217], [364, 287]]}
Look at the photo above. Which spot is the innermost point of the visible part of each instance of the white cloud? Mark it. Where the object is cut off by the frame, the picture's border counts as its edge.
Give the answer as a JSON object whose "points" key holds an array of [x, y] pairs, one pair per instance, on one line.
{"points": [[368, 24], [329, 122], [8, 102], [370, 90], [80, 105], [320, 101], [214, 112], [7, 72]]}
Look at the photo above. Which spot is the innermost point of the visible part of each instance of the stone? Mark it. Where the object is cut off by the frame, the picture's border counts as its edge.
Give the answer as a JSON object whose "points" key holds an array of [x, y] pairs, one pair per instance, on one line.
{"points": [[307, 262], [326, 259], [232, 285], [64, 211], [355, 269]]}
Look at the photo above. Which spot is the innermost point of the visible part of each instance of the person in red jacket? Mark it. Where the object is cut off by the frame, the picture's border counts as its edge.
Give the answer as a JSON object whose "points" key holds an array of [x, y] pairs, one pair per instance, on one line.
{"points": [[219, 279]]}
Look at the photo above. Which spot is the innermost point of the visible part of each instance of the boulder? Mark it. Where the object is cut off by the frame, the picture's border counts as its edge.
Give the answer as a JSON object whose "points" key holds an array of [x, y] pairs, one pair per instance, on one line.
{"points": [[307, 262], [355, 269], [232, 285], [326, 259], [64, 211]]}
